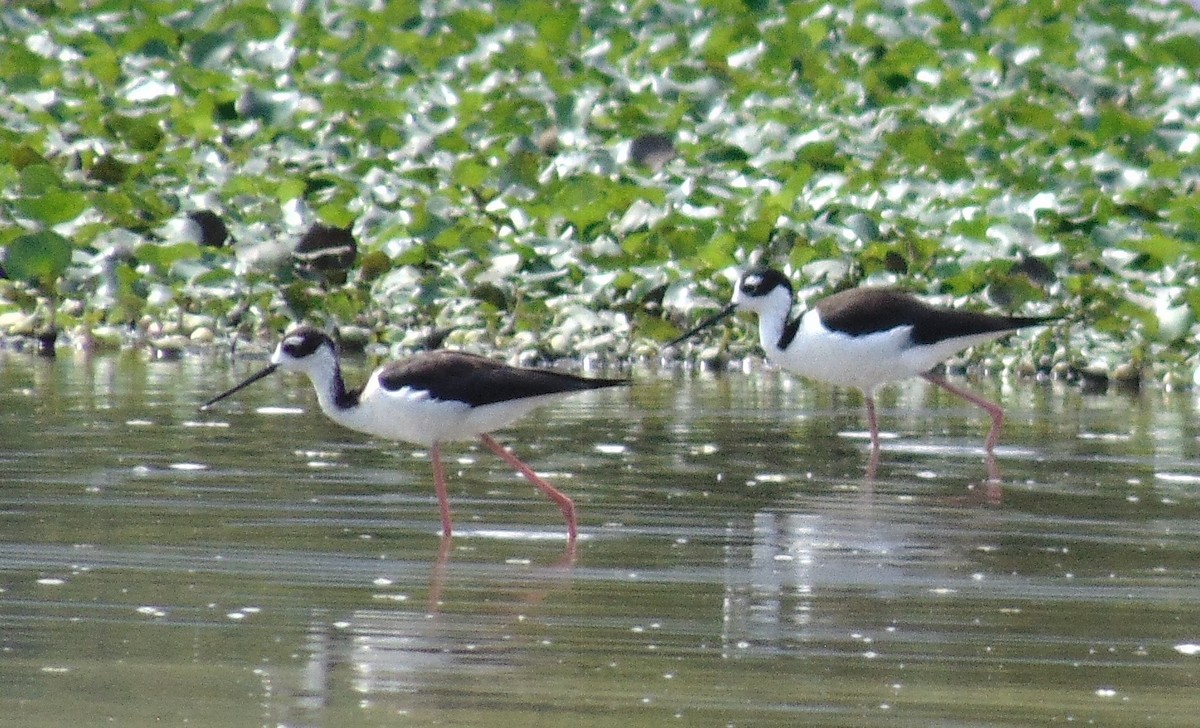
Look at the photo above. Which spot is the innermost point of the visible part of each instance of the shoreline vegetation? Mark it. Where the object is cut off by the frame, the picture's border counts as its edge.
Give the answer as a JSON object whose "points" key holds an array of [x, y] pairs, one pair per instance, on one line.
{"points": [[582, 180]]}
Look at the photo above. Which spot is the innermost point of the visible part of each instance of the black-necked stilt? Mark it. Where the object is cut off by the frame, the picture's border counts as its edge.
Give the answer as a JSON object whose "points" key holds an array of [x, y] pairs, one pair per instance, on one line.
{"points": [[209, 228], [326, 252], [652, 151], [865, 337], [430, 399]]}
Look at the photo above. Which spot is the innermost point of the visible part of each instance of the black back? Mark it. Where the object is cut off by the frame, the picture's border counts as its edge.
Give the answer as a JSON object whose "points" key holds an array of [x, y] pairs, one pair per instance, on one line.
{"points": [[476, 380], [862, 311]]}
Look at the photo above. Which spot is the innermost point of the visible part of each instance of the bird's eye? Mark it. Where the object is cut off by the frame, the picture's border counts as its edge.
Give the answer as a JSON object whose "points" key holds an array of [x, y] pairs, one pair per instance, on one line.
{"points": [[293, 344]]}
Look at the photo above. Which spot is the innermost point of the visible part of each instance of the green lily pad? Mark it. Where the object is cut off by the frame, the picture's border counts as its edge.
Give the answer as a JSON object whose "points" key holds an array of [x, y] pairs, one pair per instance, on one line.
{"points": [[38, 258]]}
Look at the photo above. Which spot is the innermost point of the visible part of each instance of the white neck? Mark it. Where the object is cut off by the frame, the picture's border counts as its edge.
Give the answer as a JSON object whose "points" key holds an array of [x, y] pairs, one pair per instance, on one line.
{"points": [[770, 329], [327, 382], [772, 310], [326, 377]]}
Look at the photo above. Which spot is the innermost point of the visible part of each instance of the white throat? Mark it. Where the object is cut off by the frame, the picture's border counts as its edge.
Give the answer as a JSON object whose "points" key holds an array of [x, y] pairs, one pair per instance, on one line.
{"points": [[323, 371], [772, 310]]}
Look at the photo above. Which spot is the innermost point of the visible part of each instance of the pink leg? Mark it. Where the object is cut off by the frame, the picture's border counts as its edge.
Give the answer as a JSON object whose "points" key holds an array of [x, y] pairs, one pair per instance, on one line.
{"points": [[873, 426], [564, 502], [437, 578], [990, 407], [873, 464], [993, 471], [439, 483], [872, 422]]}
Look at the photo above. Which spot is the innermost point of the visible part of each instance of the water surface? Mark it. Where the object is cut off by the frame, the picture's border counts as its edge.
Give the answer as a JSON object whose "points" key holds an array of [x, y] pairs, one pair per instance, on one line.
{"points": [[258, 565]]}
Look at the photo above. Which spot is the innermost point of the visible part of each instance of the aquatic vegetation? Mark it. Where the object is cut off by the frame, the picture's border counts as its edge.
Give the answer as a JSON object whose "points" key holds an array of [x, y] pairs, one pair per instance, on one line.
{"points": [[581, 178]]}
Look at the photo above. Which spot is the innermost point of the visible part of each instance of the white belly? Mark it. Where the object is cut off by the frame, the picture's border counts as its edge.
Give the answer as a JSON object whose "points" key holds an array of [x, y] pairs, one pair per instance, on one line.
{"points": [[864, 361], [412, 416]]}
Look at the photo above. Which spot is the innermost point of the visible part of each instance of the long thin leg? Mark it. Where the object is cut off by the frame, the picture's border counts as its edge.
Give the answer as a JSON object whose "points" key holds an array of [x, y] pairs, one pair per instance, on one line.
{"points": [[991, 408], [993, 471], [873, 426], [872, 421], [437, 577], [439, 483], [873, 464], [564, 502]]}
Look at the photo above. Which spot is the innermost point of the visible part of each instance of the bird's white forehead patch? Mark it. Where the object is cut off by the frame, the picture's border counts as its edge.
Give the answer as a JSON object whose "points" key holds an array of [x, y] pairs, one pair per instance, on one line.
{"points": [[299, 345], [753, 280], [292, 345]]}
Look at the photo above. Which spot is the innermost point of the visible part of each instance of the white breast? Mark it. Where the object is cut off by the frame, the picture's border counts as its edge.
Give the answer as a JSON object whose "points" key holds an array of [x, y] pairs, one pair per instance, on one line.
{"points": [[865, 361], [411, 415], [854, 361]]}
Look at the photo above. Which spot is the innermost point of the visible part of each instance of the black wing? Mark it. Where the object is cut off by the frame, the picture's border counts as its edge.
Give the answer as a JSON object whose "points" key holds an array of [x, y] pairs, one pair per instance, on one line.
{"points": [[862, 311], [476, 380]]}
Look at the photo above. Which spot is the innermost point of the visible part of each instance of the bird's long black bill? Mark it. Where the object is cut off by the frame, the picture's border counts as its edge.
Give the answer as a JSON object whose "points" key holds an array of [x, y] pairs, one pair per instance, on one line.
{"points": [[265, 372], [725, 313]]}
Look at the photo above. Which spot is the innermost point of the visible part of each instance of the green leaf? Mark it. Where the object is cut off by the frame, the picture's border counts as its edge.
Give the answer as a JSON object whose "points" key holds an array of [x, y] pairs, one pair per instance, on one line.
{"points": [[1164, 250], [53, 208], [23, 156], [101, 62], [149, 39], [819, 155], [162, 256], [1117, 123], [373, 264], [212, 49], [654, 327], [39, 258], [469, 173], [213, 277], [141, 133], [290, 189], [1183, 49], [38, 179], [109, 170], [255, 22], [336, 214], [22, 67], [718, 252]]}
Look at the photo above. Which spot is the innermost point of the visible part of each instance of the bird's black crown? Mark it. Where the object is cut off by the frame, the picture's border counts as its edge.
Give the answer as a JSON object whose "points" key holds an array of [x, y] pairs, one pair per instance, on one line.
{"points": [[304, 341], [760, 281]]}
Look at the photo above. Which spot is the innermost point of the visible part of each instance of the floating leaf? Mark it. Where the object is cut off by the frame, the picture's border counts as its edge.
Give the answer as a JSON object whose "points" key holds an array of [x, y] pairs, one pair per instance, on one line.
{"points": [[109, 170], [211, 50], [38, 179], [373, 264], [39, 258], [53, 207], [164, 255], [22, 156], [141, 133]]}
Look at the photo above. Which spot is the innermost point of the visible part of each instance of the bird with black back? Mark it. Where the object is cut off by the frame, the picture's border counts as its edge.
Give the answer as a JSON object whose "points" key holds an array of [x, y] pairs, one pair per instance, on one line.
{"points": [[430, 399]]}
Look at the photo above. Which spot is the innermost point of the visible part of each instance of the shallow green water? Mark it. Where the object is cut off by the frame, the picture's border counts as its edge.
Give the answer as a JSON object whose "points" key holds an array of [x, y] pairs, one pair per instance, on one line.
{"points": [[245, 567]]}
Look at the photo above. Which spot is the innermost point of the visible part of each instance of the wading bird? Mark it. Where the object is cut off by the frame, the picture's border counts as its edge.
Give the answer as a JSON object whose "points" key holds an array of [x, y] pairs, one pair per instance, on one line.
{"points": [[430, 399], [865, 337]]}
